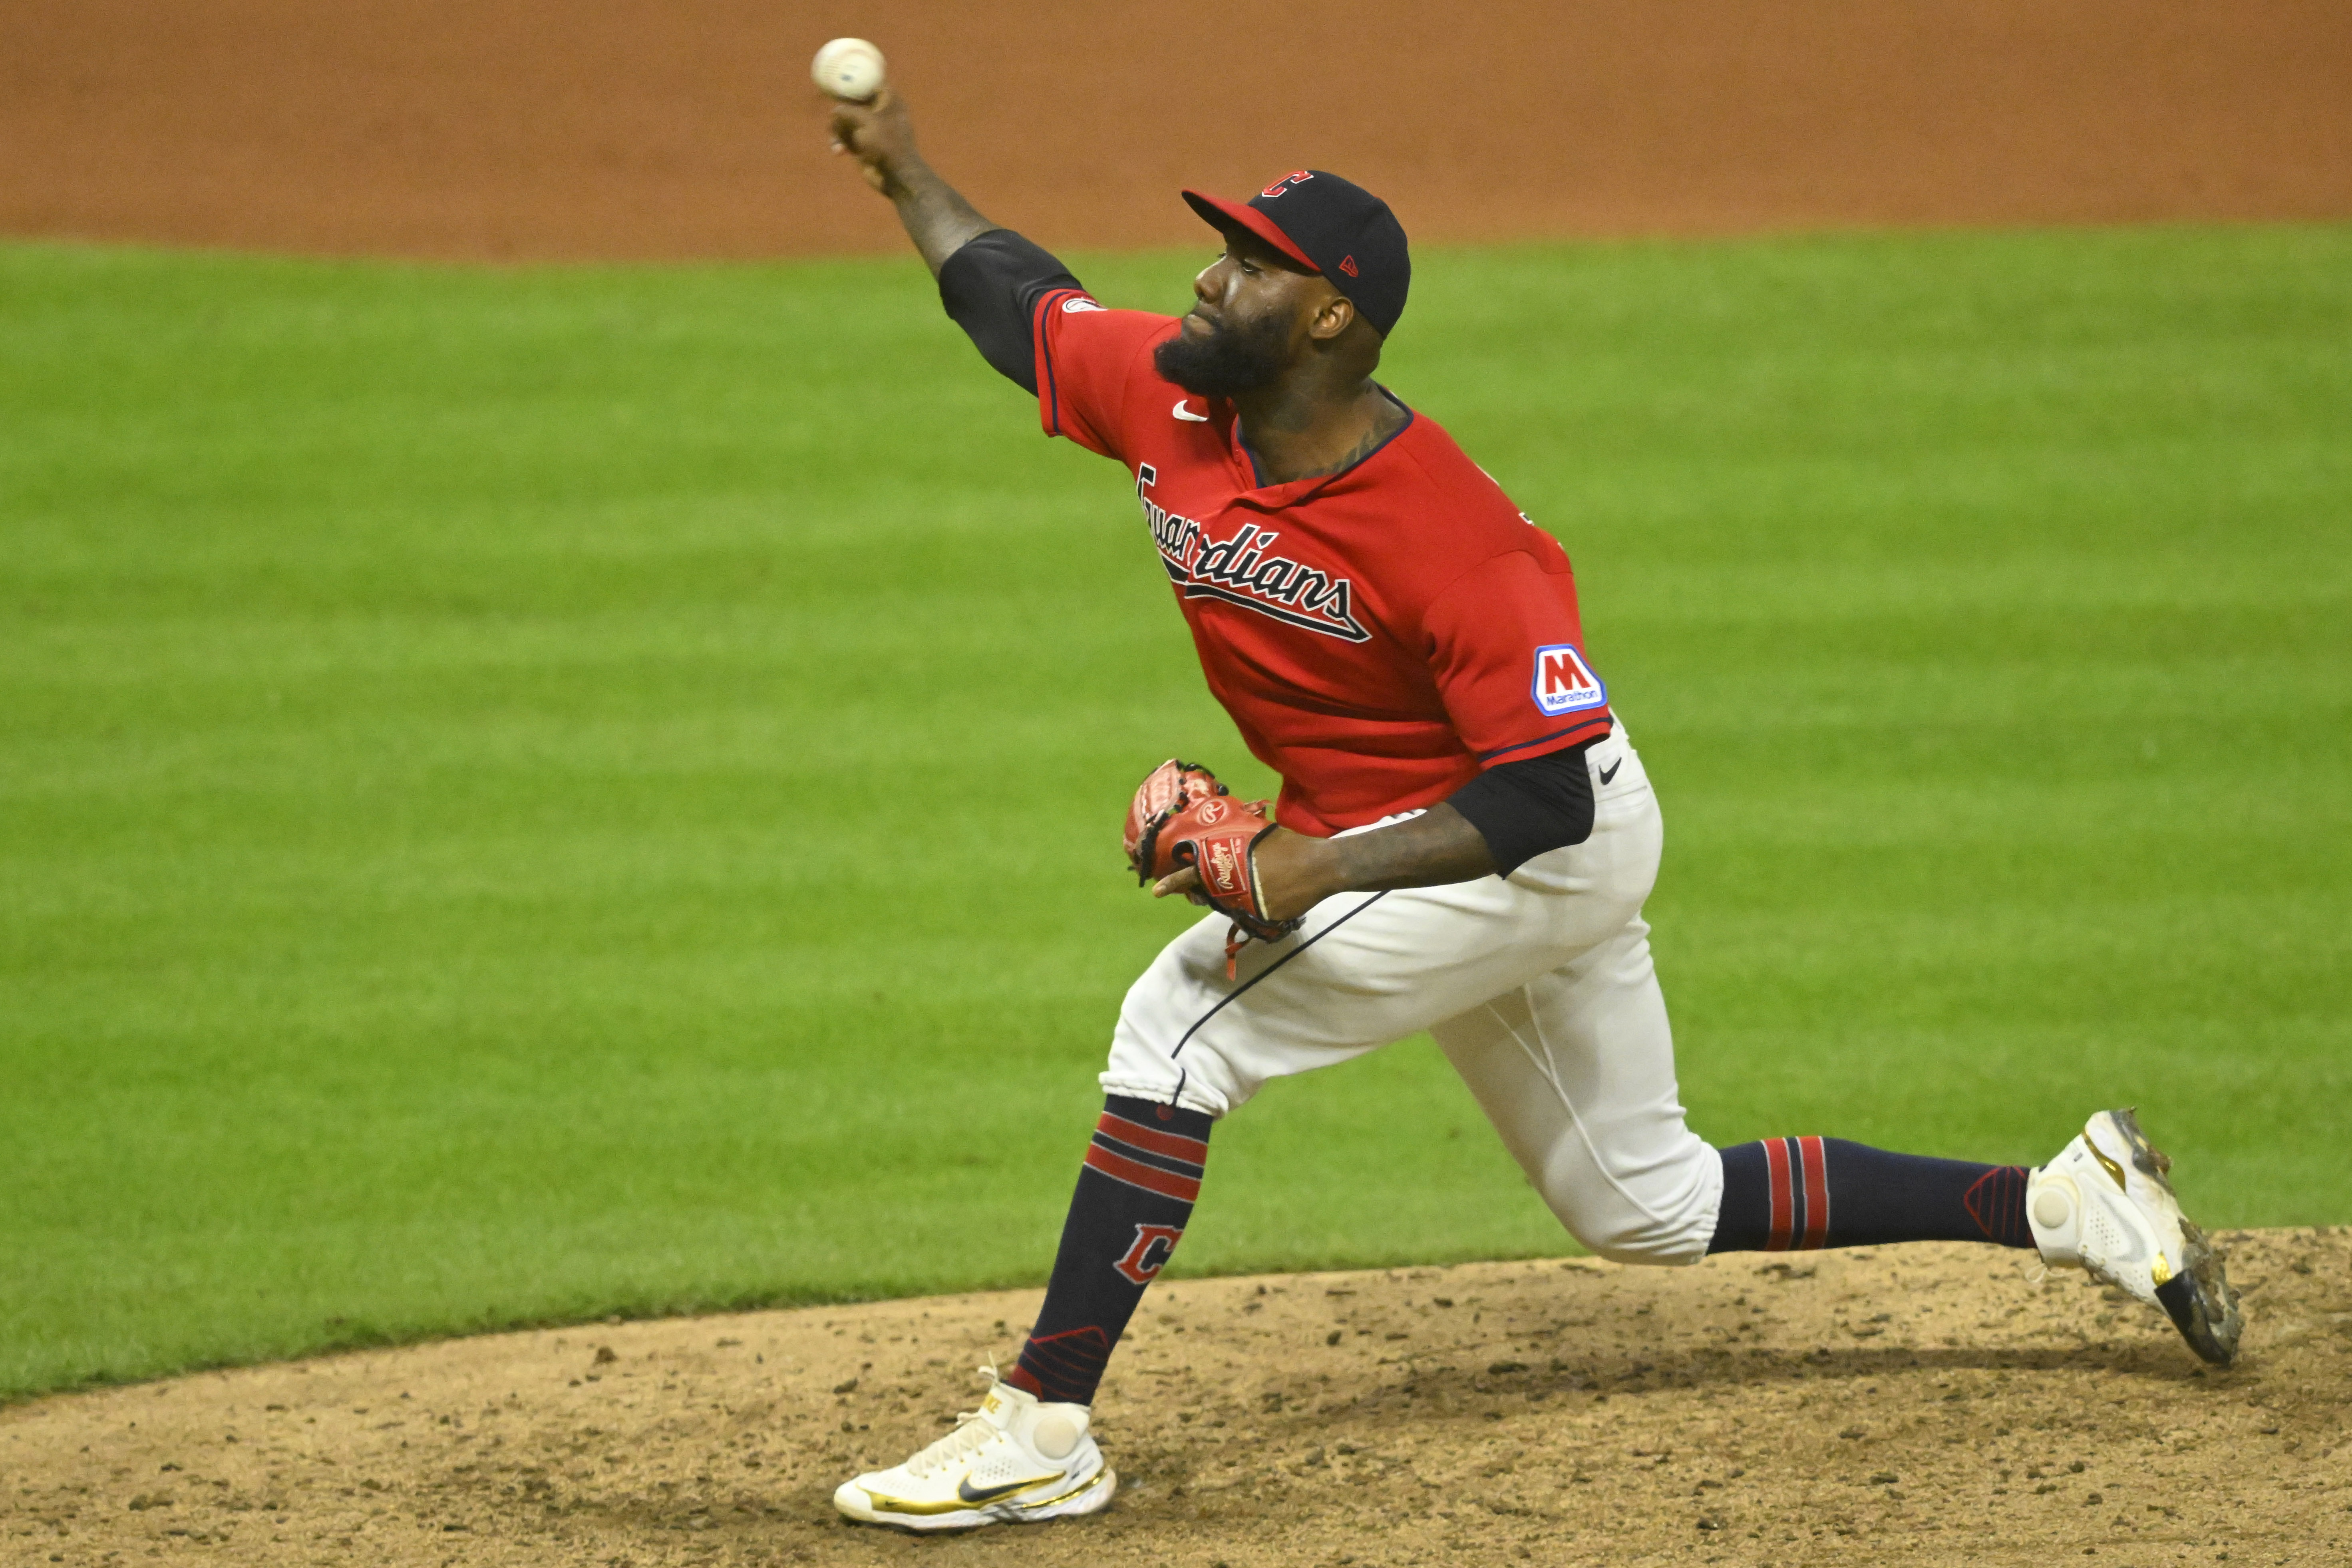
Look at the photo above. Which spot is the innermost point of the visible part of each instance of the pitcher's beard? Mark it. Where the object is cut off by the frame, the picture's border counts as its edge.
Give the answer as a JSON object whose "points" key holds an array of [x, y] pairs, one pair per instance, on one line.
{"points": [[1225, 361]]}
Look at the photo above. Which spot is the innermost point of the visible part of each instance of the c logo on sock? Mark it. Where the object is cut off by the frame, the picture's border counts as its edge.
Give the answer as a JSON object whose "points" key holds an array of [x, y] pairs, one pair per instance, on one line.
{"points": [[1145, 1259]]}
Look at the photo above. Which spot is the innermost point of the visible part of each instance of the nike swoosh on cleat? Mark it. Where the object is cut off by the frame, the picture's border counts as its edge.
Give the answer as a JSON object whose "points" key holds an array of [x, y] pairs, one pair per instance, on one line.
{"points": [[1184, 412], [1610, 770], [972, 1494]]}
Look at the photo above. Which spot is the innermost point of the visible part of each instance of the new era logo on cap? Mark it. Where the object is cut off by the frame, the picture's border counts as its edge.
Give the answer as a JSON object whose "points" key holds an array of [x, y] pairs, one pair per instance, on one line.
{"points": [[1330, 224]]}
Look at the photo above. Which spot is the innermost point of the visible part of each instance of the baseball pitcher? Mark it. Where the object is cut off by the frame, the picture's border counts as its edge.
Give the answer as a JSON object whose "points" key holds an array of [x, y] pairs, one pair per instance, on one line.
{"points": [[1465, 834]]}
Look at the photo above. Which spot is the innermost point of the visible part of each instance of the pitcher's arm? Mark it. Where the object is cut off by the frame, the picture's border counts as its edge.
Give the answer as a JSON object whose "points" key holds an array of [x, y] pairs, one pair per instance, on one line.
{"points": [[991, 279]]}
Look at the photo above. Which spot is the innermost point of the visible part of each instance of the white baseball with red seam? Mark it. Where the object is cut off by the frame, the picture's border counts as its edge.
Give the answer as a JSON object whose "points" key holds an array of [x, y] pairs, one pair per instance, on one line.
{"points": [[848, 67]]}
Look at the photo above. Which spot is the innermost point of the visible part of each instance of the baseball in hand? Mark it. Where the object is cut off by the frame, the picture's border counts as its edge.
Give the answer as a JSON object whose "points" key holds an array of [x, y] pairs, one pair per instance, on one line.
{"points": [[848, 67]]}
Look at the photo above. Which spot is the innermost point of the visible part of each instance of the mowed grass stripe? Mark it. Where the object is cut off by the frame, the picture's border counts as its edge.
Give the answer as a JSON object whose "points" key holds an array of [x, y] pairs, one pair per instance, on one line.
{"points": [[528, 795]]}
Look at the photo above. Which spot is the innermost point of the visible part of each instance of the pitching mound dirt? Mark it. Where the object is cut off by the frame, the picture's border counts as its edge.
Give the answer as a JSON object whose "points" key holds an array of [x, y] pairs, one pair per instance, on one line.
{"points": [[1926, 1405]]}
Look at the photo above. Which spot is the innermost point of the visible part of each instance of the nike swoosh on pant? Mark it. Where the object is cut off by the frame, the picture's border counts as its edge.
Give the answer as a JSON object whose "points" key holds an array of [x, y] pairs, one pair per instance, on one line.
{"points": [[1610, 770]]}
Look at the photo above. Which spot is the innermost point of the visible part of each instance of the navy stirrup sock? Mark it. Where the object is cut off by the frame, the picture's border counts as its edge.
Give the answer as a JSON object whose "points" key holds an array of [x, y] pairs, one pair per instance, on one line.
{"points": [[1794, 1194], [1135, 1195]]}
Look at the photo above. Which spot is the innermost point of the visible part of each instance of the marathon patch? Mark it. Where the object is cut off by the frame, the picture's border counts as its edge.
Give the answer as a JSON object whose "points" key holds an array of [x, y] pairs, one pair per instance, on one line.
{"points": [[1564, 683]]}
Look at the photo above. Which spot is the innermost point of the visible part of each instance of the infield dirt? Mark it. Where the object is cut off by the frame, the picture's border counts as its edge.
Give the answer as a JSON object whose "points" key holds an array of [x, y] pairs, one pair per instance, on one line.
{"points": [[1929, 1404], [647, 128]]}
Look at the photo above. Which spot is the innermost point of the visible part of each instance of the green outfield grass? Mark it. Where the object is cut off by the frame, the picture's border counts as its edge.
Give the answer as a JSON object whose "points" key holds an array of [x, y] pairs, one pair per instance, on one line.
{"points": [[526, 794]]}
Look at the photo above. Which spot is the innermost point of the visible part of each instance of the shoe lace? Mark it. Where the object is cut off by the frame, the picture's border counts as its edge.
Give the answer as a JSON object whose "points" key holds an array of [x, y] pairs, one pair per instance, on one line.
{"points": [[973, 1432]]}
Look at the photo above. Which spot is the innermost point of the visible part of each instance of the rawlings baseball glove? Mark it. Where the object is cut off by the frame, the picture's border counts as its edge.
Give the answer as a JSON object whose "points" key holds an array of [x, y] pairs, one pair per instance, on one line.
{"points": [[1183, 816]]}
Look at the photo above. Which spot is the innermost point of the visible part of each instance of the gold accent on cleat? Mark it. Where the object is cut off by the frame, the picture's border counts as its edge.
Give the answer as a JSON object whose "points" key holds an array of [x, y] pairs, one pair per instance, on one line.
{"points": [[1083, 1485], [968, 1497], [2160, 1270], [908, 1508], [2109, 1166]]}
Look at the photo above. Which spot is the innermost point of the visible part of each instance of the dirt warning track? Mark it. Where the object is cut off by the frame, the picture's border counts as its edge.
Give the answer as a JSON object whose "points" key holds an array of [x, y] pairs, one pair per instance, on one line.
{"points": [[1929, 1404], [650, 129]]}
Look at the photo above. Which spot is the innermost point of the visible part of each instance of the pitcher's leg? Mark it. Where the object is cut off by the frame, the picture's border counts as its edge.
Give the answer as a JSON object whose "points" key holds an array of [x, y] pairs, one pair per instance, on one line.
{"points": [[1136, 1189], [1365, 969], [1576, 1070], [1793, 1193]]}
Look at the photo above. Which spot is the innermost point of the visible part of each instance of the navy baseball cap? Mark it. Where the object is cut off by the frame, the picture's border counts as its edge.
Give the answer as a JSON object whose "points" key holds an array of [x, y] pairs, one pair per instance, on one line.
{"points": [[1331, 225]]}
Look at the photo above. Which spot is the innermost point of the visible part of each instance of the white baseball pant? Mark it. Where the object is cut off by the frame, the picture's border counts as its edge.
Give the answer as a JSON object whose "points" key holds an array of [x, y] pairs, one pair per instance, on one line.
{"points": [[1538, 988]]}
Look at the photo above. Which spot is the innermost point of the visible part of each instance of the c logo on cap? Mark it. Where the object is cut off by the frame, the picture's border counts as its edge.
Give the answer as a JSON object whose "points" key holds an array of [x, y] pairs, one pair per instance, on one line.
{"points": [[1285, 183]]}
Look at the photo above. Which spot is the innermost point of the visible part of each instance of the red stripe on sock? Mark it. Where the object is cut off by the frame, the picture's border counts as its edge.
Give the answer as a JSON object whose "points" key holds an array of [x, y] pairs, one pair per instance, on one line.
{"points": [[1074, 1351], [1174, 1145], [1151, 1178], [1062, 1367], [1996, 1201], [1776, 1166], [1817, 1192]]}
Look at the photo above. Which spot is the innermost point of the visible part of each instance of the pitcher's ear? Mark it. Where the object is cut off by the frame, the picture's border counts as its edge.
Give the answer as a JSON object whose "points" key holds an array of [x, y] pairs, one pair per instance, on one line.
{"points": [[1333, 319]]}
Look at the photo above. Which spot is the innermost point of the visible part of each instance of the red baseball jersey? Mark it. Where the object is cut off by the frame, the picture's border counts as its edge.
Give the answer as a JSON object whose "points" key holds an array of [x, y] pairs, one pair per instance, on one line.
{"points": [[1378, 635]]}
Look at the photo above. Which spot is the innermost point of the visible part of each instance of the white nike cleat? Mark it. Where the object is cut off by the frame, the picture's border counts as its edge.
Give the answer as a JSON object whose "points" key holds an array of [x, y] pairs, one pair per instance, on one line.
{"points": [[1014, 1460], [2104, 1205]]}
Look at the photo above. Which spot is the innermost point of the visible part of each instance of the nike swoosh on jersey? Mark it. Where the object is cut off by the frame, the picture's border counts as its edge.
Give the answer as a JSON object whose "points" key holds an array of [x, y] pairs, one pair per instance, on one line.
{"points": [[1184, 412], [1610, 770]]}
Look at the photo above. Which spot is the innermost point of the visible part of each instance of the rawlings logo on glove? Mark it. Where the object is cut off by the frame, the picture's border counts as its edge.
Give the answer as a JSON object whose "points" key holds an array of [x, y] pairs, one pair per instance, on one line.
{"points": [[1183, 816], [1165, 791]]}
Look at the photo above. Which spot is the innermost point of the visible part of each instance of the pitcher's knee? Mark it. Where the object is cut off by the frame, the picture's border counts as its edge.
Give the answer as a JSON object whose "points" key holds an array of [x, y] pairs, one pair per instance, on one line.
{"points": [[1642, 1240], [1660, 1213]]}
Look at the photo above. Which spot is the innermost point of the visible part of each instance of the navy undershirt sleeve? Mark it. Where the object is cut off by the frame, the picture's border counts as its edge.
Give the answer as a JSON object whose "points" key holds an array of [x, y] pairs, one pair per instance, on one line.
{"points": [[1523, 809], [991, 287]]}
